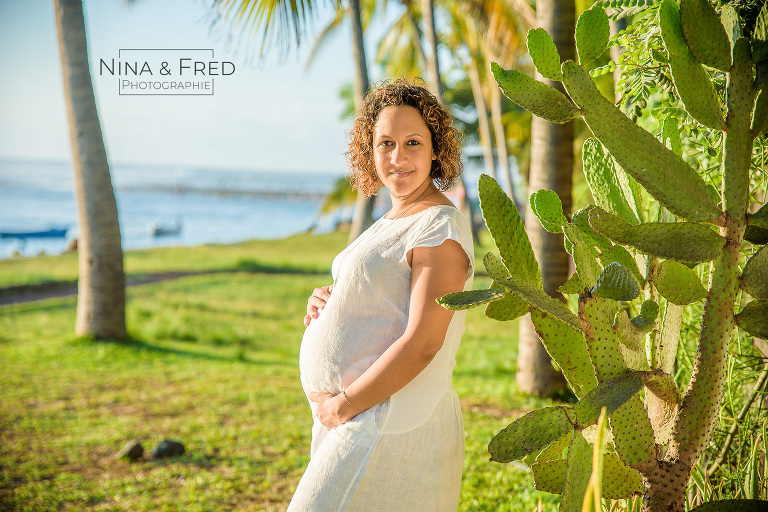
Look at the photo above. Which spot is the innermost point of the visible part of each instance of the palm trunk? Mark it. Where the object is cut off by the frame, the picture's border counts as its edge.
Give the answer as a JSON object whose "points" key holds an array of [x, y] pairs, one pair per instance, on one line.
{"points": [[501, 139], [551, 168], [415, 33], [363, 217], [101, 283], [483, 126], [433, 63]]}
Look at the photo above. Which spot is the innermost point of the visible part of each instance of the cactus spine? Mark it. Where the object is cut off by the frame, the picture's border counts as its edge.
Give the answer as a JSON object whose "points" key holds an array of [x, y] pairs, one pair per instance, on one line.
{"points": [[617, 344]]}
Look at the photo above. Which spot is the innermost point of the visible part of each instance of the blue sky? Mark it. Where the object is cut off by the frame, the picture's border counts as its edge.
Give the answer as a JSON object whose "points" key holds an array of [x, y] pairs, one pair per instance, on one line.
{"points": [[270, 116]]}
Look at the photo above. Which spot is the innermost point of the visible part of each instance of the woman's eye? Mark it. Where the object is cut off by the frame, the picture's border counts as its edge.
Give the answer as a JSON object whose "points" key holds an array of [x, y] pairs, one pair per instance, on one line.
{"points": [[385, 143], [413, 142]]}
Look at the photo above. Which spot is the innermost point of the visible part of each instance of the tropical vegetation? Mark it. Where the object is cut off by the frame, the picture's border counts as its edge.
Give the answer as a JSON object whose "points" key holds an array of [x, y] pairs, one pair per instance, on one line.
{"points": [[643, 254]]}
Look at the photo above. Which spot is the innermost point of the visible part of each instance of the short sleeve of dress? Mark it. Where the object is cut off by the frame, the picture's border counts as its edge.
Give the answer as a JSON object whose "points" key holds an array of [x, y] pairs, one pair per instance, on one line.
{"points": [[447, 223]]}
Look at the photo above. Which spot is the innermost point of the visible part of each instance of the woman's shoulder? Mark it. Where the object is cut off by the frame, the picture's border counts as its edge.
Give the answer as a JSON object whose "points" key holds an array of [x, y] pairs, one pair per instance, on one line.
{"points": [[441, 219]]}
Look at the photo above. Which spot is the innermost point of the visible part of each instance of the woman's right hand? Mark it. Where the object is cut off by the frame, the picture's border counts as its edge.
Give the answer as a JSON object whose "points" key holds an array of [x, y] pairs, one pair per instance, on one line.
{"points": [[317, 302]]}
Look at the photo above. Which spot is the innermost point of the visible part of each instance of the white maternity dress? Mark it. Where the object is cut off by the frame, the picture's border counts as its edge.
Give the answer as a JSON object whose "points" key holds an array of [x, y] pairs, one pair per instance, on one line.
{"points": [[406, 453]]}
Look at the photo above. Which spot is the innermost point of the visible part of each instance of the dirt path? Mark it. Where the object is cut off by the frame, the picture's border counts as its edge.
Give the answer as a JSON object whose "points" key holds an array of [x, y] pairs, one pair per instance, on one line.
{"points": [[34, 292]]}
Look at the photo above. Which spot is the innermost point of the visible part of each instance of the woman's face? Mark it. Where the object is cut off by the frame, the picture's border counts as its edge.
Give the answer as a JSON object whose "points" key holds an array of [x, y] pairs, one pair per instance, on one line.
{"points": [[402, 149]]}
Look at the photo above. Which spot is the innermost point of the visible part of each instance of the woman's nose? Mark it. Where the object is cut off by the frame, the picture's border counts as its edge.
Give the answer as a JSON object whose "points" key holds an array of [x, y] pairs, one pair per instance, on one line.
{"points": [[397, 156]]}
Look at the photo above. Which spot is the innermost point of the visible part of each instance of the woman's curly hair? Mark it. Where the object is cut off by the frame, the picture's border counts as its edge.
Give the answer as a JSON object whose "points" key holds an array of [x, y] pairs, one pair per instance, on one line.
{"points": [[446, 140]]}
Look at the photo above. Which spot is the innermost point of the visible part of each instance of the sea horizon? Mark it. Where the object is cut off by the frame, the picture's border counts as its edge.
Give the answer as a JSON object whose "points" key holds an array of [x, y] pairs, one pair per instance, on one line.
{"points": [[210, 205]]}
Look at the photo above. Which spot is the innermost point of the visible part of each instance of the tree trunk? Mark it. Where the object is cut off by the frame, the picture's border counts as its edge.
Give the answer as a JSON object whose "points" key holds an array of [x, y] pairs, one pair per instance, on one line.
{"points": [[551, 168], [433, 63], [415, 33], [483, 126], [501, 139], [101, 282], [363, 216]]}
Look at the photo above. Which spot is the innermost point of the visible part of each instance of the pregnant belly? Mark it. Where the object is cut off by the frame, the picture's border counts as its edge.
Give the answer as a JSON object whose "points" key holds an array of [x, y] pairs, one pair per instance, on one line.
{"points": [[334, 351]]}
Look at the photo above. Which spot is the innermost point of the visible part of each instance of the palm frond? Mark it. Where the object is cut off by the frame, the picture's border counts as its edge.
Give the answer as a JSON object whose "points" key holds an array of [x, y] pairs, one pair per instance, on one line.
{"points": [[280, 23], [325, 35]]}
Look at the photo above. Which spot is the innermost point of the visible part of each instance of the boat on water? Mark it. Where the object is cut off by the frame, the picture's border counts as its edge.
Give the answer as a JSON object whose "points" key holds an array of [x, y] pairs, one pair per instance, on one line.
{"points": [[157, 228], [23, 235]]}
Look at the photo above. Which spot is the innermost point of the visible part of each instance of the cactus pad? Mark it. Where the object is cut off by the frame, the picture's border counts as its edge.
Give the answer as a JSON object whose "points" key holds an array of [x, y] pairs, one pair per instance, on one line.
{"points": [[662, 385], [495, 268], [507, 308], [611, 394], [756, 235], [682, 241], [629, 334], [605, 183], [578, 469], [569, 350], [508, 231], [547, 207], [549, 475], [616, 282], [759, 219], [753, 319], [649, 310], [730, 20], [678, 283], [537, 298], [555, 450], [583, 255], [619, 254], [633, 433], [544, 54], [592, 34], [634, 359], [602, 344], [529, 434], [639, 153], [619, 481], [691, 80], [470, 299], [705, 34], [632, 344], [760, 114], [756, 274], [573, 285], [536, 97], [580, 219]]}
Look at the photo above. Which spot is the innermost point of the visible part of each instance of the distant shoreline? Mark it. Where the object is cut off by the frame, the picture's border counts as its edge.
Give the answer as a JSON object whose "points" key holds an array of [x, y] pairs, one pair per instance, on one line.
{"points": [[224, 191]]}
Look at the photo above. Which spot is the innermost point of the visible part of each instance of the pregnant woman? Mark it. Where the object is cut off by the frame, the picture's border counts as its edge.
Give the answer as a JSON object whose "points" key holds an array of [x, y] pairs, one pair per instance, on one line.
{"points": [[378, 353]]}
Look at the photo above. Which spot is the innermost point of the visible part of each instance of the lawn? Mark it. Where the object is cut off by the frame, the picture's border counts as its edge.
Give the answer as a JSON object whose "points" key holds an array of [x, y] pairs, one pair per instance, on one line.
{"points": [[212, 362]]}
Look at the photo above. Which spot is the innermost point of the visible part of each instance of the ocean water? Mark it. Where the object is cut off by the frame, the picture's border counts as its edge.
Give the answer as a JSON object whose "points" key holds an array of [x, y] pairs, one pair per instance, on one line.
{"points": [[212, 206]]}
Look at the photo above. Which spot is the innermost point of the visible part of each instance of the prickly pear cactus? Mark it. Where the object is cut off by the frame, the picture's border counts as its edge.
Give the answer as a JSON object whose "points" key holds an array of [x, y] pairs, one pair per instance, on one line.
{"points": [[634, 273]]}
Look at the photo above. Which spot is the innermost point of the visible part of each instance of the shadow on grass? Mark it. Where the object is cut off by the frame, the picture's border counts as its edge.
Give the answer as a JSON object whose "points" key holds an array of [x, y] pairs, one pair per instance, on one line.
{"points": [[35, 292], [259, 267], [138, 345]]}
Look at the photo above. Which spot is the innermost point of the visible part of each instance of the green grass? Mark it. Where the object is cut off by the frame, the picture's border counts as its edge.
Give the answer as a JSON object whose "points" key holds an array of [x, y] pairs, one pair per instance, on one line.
{"points": [[212, 362]]}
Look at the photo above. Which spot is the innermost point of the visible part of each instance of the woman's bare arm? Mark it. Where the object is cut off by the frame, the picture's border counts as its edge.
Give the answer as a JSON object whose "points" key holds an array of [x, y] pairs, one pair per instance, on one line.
{"points": [[435, 272]]}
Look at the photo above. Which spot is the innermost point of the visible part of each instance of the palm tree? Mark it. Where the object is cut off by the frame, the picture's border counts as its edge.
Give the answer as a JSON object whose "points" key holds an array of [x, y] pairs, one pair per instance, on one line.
{"points": [[551, 168], [101, 280], [483, 31], [292, 17], [363, 216]]}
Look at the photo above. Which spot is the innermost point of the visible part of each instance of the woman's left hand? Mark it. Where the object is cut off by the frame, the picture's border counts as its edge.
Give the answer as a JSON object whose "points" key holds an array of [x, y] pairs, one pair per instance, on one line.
{"points": [[329, 409]]}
